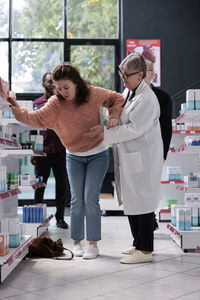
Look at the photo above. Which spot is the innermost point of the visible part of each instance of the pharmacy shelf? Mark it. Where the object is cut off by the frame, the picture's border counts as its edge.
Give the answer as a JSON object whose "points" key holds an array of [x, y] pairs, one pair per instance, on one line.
{"points": [[8, 194], [13, 121], [187, 150], [186, 240], [37, 229], [14, 257], [186, 189], [4, 104], [189, 116], [172, 182], [185, 131], [8, 144], [31, 187], [21, 153]]}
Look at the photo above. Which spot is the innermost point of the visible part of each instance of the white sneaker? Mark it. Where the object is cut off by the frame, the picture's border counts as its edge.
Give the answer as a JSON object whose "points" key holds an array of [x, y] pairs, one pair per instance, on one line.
{"points": [[91, 252], [136, 258], [78, 250], [129, 250]]}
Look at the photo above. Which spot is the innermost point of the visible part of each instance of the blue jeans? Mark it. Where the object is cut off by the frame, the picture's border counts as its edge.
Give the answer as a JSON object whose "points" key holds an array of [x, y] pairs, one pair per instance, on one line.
{"points": [[86, 174]]}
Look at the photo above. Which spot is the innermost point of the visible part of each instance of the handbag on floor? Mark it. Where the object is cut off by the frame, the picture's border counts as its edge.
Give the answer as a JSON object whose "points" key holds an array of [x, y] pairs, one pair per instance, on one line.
{"points": [[47, 248]]}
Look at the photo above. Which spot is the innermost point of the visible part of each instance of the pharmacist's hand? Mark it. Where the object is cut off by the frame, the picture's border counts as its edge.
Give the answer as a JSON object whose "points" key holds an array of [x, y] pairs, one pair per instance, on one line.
{"points": [[112, 123], [94, 131], [33, 160]]}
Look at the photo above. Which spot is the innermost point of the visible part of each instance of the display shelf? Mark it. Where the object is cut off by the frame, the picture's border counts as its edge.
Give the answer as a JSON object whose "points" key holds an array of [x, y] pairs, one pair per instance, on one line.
{"points": [[4, 104], [8, 144], [187, 188], [18, 153], [185, 131], [189, 116], [7, 194], [14, 257], [31, 187], [37, 229], [187, 240], [171, 181], [187, 150], [13, 121]]}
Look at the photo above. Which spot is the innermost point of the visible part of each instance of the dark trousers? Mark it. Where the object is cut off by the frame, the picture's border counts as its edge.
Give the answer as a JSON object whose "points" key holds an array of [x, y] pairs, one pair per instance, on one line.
{"points": [[142, 227], [56, 162]]}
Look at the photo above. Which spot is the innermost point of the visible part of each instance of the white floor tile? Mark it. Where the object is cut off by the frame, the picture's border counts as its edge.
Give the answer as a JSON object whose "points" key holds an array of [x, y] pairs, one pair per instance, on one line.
{"points": [[6, 291]]}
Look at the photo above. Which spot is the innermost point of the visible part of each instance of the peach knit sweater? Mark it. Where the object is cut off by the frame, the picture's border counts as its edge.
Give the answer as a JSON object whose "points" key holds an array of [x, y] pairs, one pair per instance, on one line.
{"points": [[70, 122]]}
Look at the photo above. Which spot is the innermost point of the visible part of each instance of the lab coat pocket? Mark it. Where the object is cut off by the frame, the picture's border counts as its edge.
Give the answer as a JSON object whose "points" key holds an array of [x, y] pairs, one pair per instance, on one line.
{"points": [[133, 162]]}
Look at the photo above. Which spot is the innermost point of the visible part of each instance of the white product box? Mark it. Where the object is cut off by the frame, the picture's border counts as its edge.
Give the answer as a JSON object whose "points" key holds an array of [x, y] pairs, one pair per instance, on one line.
{"points": [[191, 181], [190, 95], [13, 226], [4, 225], [187, 212], [194, 216], [27, 179], [180, 218]]}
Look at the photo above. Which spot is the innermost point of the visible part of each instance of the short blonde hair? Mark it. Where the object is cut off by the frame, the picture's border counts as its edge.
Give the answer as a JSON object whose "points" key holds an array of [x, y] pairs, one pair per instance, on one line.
{"points": [[150, 65], [134, 62]]}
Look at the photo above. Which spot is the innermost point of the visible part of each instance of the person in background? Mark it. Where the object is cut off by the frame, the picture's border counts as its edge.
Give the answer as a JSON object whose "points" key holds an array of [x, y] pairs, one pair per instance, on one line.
{"points": [[54, 160], [71, 112], [165, 103], [165, 119], [138, 155]]}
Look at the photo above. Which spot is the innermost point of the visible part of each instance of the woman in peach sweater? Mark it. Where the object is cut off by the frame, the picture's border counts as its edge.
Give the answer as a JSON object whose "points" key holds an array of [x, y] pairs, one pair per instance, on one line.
{"points": [[71, 112]]}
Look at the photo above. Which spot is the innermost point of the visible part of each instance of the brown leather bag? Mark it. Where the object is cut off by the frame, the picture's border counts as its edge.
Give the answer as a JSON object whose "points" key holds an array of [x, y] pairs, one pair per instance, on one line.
{"points": [[46, 247]]}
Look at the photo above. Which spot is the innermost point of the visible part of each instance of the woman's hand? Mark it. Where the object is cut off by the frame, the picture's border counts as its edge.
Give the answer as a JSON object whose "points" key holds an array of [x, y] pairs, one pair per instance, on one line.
{"points": [[112, 122], [94, 131], [12, 100]]}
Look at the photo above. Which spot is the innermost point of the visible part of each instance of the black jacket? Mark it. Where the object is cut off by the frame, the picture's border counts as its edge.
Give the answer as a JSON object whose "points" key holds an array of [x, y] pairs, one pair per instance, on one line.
{"points": [[165, 119]]}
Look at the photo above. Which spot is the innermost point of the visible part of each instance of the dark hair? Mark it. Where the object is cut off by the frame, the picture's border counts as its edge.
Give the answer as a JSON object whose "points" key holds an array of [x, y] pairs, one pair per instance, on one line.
{"points": [[67, 71], [45, 75]]}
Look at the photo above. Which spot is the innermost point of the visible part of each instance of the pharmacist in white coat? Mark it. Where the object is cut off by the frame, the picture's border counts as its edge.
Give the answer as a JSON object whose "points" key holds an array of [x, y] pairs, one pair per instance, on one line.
{"points": [[138, 153]]}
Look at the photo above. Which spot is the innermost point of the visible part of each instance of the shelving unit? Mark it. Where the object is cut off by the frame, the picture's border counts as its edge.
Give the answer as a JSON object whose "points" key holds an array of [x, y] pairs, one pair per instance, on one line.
{"points": [[186, 157], [32, 187], [187, 189], [187, 240], [189, 160], [10, 152], [172, 181], [37, 229], [9, 262]]}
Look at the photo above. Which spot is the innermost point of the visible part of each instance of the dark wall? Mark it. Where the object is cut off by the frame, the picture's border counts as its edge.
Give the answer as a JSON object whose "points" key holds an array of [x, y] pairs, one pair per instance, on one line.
{"points": [[177, 24]]}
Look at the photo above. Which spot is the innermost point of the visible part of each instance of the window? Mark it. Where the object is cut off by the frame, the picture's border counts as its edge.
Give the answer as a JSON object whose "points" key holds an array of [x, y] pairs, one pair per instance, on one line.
{"points": [[36, 35], [30, 61], [4, 6], [96, 64], [37, 19], [4, 60], [92, 19]]}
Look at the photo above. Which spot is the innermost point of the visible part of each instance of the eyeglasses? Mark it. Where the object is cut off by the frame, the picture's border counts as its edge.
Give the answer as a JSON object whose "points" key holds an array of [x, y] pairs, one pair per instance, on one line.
{"points": [[124, 75]]}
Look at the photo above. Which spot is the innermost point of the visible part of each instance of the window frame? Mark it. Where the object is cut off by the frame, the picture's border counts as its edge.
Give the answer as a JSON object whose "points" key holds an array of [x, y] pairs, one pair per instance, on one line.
{"points": [[67, 43]]}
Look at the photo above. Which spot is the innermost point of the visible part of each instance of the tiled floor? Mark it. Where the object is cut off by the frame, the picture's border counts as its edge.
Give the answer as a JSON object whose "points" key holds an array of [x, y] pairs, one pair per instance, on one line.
{"points": [[172, 275]]}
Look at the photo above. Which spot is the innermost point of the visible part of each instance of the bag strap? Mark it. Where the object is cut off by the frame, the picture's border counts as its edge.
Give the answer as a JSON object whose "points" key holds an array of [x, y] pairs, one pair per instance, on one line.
{"points": [[66, 258]]}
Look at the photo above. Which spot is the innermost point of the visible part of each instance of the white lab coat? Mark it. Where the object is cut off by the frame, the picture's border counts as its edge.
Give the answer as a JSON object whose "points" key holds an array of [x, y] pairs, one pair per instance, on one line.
{"points": [[140, 152]]}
